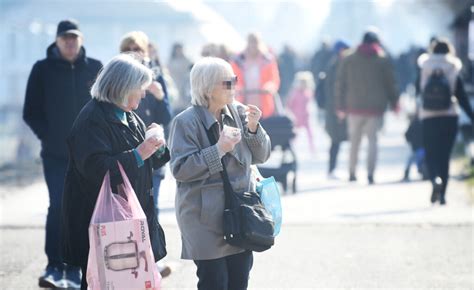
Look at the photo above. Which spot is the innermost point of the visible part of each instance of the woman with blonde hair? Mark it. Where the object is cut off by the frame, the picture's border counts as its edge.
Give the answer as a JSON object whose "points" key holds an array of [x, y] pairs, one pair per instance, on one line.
{"points": [[155, 107]]}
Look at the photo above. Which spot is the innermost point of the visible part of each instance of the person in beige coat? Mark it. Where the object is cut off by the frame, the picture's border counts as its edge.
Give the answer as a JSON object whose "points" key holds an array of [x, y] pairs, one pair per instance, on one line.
{"points": [[196, 165]]}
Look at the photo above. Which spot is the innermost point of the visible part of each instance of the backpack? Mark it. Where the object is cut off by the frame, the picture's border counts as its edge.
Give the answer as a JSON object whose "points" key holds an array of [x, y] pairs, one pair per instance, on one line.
{"points": [[437, 92]]}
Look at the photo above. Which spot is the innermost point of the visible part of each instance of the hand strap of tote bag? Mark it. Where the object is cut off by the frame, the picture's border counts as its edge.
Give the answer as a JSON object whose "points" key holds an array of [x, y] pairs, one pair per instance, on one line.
{"points": [[247, 224]]}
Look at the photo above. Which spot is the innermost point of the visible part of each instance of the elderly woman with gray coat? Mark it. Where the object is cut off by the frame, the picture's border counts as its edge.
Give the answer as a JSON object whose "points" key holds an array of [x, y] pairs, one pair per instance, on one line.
{"points": [[196, 164]]}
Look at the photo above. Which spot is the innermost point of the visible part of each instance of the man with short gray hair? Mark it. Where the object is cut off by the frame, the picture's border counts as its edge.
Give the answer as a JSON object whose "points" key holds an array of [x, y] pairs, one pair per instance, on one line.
{"points": [[58, 88]]}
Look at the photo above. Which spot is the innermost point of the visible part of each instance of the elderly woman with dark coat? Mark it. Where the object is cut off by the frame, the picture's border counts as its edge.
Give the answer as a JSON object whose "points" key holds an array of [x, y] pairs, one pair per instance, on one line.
{"points": [[196, 164], [107, 131]]}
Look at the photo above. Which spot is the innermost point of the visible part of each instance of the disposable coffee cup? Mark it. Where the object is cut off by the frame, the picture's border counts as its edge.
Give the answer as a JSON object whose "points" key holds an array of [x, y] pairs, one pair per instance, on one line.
{"points": [[156, 132], [230, 132]]}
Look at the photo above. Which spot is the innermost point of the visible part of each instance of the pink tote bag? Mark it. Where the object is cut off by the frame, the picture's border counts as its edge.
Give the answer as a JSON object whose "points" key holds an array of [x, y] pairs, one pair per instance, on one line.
{"points": [[120, 255]]}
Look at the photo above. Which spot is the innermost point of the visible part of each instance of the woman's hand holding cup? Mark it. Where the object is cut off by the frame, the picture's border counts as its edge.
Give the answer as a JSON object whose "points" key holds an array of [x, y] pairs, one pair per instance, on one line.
{"points": [[155, 131], [149, 147], [154, 139], [228, 138]]}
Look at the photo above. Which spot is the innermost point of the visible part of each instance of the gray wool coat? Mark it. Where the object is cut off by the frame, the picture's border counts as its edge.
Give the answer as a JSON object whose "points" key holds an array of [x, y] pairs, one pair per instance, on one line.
{"points": [[196, 166]]}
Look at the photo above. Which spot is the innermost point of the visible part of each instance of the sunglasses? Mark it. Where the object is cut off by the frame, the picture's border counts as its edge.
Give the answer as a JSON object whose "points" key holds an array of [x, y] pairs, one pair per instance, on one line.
{"points": [[230, 84]]}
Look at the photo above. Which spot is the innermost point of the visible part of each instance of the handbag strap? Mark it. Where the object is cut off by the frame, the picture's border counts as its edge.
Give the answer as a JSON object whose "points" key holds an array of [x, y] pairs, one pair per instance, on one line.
{"points": [[228, 191]]}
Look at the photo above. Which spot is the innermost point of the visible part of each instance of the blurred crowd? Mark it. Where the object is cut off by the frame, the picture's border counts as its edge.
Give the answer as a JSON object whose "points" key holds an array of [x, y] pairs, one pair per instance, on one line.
{"points": [[351, 86]]}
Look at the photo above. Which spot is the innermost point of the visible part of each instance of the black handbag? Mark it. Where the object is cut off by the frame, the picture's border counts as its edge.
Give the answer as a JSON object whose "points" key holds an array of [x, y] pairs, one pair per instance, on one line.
{"points": [[247, 224]]}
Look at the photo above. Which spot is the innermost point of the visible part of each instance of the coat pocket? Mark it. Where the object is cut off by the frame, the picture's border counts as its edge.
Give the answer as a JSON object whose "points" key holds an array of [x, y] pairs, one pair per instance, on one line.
{"points": [[212, 209]]}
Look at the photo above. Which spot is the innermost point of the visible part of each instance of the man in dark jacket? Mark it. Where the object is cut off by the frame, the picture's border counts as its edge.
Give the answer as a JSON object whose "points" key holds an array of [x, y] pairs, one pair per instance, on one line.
{"points": [[58, 88], [365, 85]]}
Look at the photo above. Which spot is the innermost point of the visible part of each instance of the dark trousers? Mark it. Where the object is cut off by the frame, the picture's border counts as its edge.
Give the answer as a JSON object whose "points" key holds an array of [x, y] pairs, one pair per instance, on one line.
{"points": [[228, 273], [84, 278], [333, 152], [54, 174], [439, 134]]}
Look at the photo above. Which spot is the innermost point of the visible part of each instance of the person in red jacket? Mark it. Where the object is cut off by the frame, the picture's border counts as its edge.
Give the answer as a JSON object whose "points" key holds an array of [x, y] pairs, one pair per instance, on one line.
{"points": [[257, 74]]}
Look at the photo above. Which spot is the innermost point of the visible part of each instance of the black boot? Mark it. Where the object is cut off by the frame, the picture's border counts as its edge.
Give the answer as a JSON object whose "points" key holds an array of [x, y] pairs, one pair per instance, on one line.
{"points": [[442, 200], [437, 189]]}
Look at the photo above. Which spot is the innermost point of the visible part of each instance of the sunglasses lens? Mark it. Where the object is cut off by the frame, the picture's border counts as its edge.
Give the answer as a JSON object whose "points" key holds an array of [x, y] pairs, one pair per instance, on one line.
{"points": [[230, 84]]}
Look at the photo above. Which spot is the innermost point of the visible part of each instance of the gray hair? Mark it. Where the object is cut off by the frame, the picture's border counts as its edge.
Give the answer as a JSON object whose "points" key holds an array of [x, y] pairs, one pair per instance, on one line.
{"points": [[205, 74], [119, 77]]}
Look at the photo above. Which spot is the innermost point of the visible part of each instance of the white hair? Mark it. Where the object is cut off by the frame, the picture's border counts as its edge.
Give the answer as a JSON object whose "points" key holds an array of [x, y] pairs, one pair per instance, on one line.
{"points": [[119, 77], [205, 75]]}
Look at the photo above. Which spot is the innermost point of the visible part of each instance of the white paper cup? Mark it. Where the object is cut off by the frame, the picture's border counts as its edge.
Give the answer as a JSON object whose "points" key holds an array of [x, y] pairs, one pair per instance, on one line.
{"points": [[230, 132], [156, 132]]}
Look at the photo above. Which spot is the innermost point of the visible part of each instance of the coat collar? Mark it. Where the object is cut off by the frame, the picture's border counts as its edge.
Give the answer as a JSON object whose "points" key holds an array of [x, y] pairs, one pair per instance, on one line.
{"points": [[207, 118], [52, 53], [109, 110], [110, 113]]}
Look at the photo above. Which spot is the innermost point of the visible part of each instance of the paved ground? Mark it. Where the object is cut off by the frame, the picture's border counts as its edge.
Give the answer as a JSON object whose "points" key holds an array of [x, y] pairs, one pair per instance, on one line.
{"points": [[335, 234]]}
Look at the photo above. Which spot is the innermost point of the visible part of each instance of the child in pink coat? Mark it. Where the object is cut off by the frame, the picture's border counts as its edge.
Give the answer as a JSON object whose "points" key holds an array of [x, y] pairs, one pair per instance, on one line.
{"points": [[299, 99]]}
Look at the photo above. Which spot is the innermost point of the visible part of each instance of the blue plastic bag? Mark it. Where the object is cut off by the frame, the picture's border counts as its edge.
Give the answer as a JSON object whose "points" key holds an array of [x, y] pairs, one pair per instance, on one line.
{"points": [[270, 196]]}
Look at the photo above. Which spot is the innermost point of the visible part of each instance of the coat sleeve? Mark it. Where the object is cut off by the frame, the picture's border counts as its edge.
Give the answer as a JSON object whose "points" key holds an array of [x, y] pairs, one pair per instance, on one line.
{"points": [[340, 86], [188, 161], [160, 161], [33, 112], [259, 144], [91, 149], [163, 108], [391, 84], [463, 99], [272, 75]]}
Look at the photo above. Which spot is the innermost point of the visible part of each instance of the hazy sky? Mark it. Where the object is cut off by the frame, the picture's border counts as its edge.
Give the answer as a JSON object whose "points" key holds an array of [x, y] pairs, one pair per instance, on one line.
{"points": [[304, 24]]}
